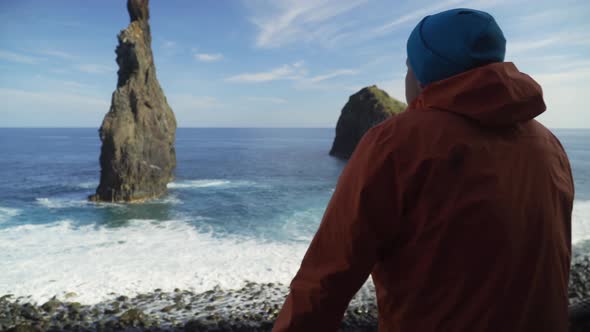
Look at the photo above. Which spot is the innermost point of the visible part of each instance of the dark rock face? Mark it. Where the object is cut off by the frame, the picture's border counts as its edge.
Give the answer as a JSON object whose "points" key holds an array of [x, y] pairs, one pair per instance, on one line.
{"points": [[138, 10], [138, 133], [364, 109], [579, 294]]}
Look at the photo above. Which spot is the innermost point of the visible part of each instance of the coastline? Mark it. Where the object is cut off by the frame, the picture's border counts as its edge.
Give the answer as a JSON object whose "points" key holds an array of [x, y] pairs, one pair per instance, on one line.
{"points": [[253, 307]]}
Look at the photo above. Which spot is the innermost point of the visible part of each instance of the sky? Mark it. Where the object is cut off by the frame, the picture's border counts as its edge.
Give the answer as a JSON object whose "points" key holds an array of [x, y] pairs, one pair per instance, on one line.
{"points": [[264, 63]]}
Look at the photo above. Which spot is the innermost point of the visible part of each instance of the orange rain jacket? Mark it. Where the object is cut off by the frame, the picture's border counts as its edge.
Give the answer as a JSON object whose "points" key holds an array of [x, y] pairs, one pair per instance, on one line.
{"points": [[459, 208]]}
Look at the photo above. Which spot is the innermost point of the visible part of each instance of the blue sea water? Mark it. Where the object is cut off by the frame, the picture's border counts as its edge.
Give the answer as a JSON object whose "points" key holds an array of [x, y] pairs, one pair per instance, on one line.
{"points": [[244, 206]]}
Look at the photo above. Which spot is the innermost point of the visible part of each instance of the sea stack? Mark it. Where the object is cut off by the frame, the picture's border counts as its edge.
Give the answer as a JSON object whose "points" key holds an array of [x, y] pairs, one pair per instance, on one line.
{"points": [[137, 157], [364, 109]]}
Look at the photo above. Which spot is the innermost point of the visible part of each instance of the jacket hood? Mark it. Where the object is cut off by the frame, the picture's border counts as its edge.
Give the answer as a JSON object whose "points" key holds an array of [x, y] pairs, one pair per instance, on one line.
{"points": [[497, 94]]}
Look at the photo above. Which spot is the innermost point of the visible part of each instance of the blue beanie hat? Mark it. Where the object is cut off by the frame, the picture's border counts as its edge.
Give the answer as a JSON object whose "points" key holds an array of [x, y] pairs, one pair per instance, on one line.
{"points": [[452, 42]]}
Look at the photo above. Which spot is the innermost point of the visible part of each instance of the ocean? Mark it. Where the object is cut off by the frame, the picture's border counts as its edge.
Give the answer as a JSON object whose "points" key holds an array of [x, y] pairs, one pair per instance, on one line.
{"points": [[243, 207]]}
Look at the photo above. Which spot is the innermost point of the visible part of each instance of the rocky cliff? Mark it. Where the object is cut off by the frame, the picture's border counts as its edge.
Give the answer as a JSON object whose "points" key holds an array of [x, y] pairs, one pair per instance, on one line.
{"points": [[364, 109], [137, 156]]}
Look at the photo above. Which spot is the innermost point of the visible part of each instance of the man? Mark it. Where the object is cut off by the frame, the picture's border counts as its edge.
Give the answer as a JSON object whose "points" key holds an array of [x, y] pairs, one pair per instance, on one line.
{"points": [[459, 208]]}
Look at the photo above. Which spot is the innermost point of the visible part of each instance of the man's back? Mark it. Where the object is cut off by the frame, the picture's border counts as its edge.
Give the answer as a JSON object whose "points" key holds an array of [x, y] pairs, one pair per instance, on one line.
{"points": [[484, 240], [460, 208]]}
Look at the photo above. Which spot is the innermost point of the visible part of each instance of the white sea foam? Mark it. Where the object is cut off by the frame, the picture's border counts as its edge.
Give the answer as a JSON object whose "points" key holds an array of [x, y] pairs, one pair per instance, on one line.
{"points": [[581, 221], [208, 184], [300, 224], [88, 185], [205, 183], [170, 199], [65, 203], [7, 213], [60, 203], [47, 260]]}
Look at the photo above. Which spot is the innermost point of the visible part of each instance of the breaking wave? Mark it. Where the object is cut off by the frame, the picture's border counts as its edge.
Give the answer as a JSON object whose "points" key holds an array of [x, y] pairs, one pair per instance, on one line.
{"points": [[47, 260], [7, 213], [189, 184]]}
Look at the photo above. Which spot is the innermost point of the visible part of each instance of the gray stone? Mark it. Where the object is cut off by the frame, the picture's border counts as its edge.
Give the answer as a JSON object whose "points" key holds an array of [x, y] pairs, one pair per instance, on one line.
{"points": [[122, 298], [24, 327], [133, 317], [168, 308], [30, 312], [6, 297], [51, 305], [71, 295], [138, 155]]}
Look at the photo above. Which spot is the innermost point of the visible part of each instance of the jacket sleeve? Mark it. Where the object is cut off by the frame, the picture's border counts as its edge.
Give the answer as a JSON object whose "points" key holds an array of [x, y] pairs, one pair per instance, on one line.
{"points": [[355, 227]]}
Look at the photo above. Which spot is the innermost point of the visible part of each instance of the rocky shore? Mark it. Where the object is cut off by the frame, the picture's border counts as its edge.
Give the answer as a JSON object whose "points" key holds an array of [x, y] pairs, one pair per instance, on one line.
{"points": [[251, 308]]}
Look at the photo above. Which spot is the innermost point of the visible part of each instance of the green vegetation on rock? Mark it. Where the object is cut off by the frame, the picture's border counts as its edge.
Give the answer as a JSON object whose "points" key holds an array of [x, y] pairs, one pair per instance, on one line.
{"points": [[385, 102], [364, 109]]}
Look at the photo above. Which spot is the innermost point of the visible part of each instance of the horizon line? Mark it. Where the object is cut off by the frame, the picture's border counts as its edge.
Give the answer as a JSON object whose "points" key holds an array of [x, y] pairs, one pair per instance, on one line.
{"points": [[196, 127], [245, 127]]}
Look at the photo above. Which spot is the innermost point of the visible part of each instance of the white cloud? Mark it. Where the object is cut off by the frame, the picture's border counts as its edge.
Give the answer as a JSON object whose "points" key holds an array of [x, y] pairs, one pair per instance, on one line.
{"points": [[329, 86], [567, 77], [299, 64], [188, 103], [290, 21], [206, 57], [58, 54], [523, 46], [336, 73], [169, 48], [272, 100], [414, 16], [297, 72], [553, 14], [60, 71], [50, 109], [63, 23], [483, 4], [93, 68], [20, 58], [540, 16], [65, 85], [293, 71], [562, 91], [564, 78], [74, 85], [169, 44], [289, 25], [43, 99], [577, 64], [557, 39], [198, 111]]}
